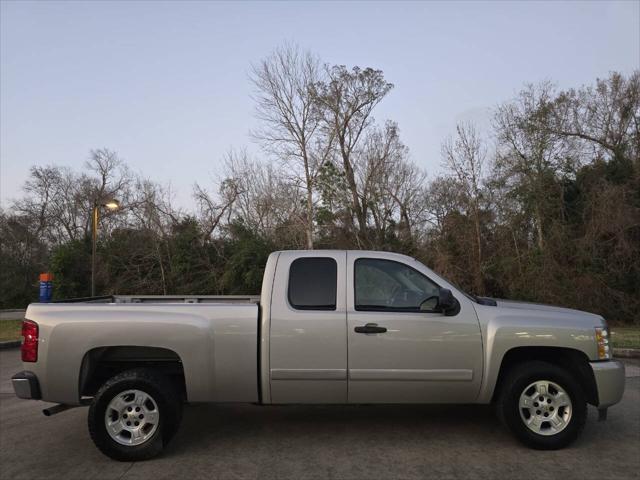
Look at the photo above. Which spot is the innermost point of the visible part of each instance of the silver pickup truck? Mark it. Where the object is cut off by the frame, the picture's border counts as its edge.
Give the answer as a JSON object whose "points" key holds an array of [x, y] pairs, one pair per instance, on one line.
{"points": [[330, 327]]}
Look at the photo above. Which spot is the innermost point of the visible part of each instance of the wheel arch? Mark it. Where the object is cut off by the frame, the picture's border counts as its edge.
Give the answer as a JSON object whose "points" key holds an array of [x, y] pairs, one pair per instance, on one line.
{"points": [[573, 360], [101, 363]]}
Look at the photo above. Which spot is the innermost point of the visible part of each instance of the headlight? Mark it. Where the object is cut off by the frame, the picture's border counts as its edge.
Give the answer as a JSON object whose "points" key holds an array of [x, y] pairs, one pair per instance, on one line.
{"points": [[602, 341]]}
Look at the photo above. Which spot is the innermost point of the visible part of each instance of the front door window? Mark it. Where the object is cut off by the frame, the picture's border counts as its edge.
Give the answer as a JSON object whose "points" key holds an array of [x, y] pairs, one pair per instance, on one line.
{"points": [[385, 285]]}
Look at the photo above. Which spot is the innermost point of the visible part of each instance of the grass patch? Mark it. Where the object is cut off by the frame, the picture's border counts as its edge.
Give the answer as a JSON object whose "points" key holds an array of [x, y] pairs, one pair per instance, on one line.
{"points": [[10, 330], [625, 337]]}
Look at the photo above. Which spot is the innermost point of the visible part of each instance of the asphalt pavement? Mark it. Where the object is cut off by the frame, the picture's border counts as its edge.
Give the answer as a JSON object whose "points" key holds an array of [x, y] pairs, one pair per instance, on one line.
{"points": [[319, 442]]}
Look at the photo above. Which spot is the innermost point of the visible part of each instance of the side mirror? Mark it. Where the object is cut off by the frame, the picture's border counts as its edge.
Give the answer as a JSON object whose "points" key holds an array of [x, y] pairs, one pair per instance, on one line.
{"points": [[447, 302]]}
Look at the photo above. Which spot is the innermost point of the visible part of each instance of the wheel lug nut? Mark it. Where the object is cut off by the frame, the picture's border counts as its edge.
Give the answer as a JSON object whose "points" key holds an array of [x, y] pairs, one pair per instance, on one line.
{"points": [[535, 404]]}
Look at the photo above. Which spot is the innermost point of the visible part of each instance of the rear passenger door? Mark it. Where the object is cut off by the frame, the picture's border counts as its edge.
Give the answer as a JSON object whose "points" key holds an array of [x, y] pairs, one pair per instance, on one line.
{"points": [[308, 337]]}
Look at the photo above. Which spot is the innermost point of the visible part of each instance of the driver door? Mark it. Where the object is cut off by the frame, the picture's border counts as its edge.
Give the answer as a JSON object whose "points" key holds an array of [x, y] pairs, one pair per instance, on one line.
{"points": [[400, 348]]}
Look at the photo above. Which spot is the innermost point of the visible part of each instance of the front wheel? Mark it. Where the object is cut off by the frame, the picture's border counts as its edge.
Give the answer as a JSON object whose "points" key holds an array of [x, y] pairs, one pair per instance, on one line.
{"points": [[134, 414], [542, 405]]}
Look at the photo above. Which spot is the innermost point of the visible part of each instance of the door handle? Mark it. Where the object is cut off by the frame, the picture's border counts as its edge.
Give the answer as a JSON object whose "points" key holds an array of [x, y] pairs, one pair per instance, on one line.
{"points": [[370, 328]]}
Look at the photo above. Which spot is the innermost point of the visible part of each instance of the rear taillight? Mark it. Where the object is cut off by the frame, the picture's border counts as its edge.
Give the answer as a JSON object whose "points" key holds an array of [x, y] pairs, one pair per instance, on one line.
{"points": [[29, 347]]}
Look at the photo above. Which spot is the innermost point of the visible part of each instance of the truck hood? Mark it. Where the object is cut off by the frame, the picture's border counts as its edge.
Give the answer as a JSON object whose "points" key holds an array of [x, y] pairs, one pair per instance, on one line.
{"points": [[550, 309]]}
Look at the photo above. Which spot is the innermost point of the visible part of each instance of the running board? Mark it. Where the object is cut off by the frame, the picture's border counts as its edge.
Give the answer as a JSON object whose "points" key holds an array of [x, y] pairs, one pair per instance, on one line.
{"points": [[61, 407]]}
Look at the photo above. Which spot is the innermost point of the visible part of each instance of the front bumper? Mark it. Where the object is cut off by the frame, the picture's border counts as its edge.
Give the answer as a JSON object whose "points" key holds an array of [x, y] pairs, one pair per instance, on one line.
{"points": [[26, 385], [609, 377]]}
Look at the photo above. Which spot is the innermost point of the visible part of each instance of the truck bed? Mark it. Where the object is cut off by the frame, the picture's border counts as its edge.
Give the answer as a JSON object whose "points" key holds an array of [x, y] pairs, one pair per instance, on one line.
{"points": [[215, 340]]}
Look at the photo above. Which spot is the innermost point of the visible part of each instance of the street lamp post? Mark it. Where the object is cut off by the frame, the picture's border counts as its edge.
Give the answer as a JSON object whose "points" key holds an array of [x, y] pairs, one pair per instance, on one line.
{"points": [[111, 204]]}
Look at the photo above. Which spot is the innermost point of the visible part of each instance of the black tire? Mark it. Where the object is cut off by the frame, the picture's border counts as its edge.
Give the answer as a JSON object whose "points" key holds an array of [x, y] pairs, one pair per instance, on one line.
{"points": [[169, 407], [517, 380]]}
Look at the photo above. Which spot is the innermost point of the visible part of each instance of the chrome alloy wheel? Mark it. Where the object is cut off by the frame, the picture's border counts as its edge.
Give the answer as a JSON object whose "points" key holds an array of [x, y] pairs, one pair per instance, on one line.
{"points": [[545, 408], [132, 417]]}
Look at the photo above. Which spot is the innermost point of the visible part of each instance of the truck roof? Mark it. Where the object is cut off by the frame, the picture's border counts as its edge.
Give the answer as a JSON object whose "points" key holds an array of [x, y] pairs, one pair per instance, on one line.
{"points": [[333, 250]]}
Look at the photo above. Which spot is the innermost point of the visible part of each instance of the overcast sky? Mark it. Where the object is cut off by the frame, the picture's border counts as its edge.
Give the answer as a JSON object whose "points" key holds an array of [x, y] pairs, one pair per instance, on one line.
{"points": [[165, 84]]}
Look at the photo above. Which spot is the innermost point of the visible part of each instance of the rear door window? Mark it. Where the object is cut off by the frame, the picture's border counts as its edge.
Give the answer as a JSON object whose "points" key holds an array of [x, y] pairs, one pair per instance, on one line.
{"points": [[313, 283]]}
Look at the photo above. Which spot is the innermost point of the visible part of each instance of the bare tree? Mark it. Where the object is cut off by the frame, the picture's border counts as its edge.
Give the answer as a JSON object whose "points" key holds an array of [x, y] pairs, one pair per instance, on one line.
{"points": [[442, 204], [214, 210], [465, 157], [388, 184], [285, 104], [606, 116], [266, 200], [60, 200], [152, 212], [530, 154], [346, 99], [55, 198]]}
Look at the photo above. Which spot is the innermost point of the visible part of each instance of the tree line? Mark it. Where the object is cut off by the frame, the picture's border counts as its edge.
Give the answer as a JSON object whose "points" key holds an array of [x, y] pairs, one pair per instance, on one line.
{"points": [[544, 206]]}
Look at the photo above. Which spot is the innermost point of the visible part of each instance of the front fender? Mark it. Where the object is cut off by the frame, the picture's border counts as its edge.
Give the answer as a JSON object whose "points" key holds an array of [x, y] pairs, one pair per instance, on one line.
{"points": [[504, 329]]}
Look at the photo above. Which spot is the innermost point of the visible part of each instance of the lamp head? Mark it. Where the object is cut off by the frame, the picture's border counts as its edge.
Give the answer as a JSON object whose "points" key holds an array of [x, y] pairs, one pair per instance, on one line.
{"points": [[112, 204]]}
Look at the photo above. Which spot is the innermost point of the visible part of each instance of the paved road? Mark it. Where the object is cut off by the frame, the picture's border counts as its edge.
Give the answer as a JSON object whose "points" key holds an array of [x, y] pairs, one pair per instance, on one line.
{"points": [[238, 442], [11, 314]]}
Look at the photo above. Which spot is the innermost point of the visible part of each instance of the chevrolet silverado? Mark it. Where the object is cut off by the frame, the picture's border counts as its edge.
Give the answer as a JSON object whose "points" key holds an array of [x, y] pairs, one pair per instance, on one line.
{"points": [[330, 327]]}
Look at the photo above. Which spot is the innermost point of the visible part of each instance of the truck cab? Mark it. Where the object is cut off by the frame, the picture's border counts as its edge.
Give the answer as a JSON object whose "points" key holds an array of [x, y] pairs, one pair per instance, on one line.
{"points": [[365, 327]]}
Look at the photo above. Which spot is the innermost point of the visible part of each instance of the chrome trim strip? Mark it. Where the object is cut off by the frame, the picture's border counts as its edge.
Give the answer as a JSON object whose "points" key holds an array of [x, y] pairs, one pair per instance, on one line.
{"points": [[308, 374], [444, 375]]}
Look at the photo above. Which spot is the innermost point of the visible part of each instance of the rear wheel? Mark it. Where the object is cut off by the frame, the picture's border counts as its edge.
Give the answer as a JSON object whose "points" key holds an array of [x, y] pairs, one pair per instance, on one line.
{"points": [[134, 415], [542, 405]]}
